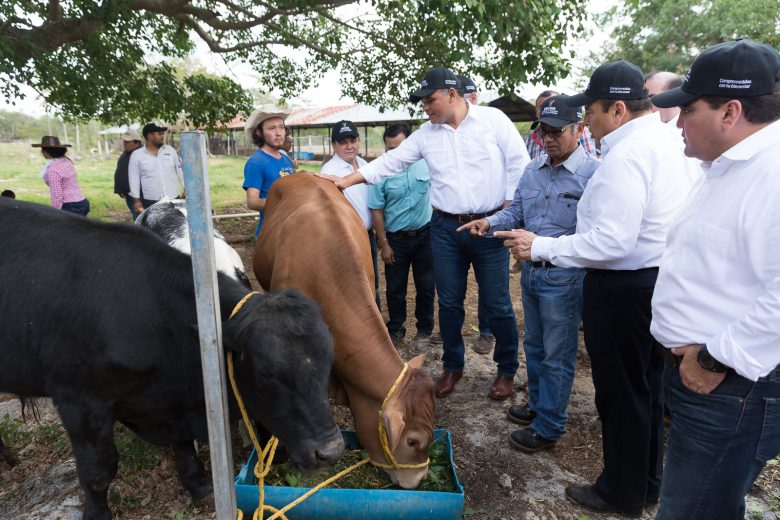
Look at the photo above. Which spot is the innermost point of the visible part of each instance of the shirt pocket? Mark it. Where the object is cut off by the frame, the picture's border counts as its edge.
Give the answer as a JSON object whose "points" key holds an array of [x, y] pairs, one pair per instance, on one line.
{"points": [[531, 207], [565, 212], [710, 267]]}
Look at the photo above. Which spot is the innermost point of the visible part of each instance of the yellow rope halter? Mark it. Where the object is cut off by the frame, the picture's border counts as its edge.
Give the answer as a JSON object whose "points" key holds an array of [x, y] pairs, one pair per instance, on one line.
{"points": [[265, 456]]}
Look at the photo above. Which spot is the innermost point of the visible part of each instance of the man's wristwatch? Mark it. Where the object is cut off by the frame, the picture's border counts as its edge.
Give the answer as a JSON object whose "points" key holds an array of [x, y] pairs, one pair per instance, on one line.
{"points": [[709, 363]]}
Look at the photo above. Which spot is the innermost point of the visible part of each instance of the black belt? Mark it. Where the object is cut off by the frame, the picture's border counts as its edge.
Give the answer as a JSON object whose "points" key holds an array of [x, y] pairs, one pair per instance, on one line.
{"points": [[466, 217], [544, 264], [414, 233], [619, 271]]}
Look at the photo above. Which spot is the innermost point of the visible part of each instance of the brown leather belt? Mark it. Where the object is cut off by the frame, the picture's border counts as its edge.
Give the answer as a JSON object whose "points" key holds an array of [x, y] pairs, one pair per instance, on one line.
{"points": [[466, 217]]}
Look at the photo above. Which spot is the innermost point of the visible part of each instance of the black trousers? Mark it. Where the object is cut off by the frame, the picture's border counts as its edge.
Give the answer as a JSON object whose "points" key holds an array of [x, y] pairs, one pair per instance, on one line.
{"points": [[627, 366], [410, 252]]}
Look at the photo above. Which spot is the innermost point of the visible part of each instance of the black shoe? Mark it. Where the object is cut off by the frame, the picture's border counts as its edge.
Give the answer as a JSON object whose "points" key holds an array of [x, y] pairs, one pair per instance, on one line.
{"points": [[587, 497], [397, 338], [651, 500], [520, 414], [528, 441]]}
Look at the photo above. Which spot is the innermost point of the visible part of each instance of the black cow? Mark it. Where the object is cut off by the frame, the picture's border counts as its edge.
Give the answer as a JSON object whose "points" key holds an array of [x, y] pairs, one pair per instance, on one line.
{"points": [[101, 318]]}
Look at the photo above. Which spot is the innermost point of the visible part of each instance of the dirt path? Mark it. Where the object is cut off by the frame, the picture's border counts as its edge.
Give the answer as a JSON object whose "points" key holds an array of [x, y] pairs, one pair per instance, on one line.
{"points": [[500, 482]]}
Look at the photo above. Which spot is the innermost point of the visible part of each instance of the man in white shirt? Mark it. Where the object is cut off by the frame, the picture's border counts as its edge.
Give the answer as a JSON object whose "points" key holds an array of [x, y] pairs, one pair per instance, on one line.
{"points": [[154, 169], [622, 221], [475, 157], [345, 139], [717, 301], [661, 81]]}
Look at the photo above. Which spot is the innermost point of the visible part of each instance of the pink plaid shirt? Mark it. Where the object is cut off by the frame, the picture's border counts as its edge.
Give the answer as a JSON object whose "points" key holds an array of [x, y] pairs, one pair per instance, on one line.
{"points": [[61, 179]]}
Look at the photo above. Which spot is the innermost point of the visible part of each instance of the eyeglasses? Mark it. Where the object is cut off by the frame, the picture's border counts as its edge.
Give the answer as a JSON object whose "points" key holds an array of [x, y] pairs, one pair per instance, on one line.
{"points": [[555, 133]]}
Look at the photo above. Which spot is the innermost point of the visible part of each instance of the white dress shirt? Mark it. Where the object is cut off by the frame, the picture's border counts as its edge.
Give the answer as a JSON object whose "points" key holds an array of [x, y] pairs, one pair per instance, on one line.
{"points": [[357, 195], [628, 205], [159, 175], [474, 168], [719, 282]]}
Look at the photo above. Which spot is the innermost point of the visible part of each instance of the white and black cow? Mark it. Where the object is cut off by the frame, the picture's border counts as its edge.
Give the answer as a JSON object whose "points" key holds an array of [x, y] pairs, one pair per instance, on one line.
{"points": [[101, 318], [168, 218]]}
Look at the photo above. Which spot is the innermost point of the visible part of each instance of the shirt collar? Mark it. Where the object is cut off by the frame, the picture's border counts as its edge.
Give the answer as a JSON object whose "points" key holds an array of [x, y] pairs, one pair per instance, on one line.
{"points": [[635, 125], [572, 162], [743, 150]]}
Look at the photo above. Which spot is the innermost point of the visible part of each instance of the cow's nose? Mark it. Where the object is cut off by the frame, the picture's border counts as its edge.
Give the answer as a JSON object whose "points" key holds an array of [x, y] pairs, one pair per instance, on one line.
{"points": [[332, 449]]}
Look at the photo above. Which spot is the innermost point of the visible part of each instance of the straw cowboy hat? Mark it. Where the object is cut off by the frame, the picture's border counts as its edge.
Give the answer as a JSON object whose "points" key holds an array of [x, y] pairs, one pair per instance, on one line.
{"points": [[50, 141], [260, 115]]}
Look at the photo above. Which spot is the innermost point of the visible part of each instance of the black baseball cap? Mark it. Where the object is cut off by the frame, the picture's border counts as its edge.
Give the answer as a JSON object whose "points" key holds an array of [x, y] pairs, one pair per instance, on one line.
{"points": [[467, 84], [435, 79], [152, 127], [556, 112], [739, 69], [342, 130], [617, 80]]}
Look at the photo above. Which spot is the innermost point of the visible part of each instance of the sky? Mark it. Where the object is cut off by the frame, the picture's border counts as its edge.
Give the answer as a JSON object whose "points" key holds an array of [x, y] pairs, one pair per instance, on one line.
{"points": [[328, 92]]}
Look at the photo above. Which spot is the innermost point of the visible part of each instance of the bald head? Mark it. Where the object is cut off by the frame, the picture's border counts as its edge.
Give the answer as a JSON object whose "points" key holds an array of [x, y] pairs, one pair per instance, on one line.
{"points": [[662, 81]]}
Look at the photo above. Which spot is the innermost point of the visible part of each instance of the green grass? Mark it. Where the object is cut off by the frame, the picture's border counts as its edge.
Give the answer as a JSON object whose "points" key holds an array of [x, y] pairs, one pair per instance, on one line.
{"points": [[21, 164], [367, 476]]}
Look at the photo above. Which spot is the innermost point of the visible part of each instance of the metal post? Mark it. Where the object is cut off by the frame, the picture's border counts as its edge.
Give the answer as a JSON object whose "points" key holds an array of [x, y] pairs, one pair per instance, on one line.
{"points": [[196, 184]]}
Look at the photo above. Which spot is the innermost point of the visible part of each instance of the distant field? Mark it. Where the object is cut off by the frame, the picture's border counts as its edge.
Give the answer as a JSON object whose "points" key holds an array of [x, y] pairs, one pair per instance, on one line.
{"points": [[20, 165]]}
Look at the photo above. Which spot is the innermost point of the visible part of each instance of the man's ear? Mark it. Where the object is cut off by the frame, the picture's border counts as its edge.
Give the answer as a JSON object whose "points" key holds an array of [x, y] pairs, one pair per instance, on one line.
{"points": [[733, 111]]}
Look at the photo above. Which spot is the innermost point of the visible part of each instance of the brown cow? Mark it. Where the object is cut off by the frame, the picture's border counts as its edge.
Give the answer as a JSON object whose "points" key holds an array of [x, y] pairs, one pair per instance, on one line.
{"points": [[312, 239]]}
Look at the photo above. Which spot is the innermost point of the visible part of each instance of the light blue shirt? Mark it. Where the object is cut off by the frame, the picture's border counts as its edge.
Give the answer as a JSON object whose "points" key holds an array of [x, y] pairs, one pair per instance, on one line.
{"points": [[546, 198], [404, 197]]}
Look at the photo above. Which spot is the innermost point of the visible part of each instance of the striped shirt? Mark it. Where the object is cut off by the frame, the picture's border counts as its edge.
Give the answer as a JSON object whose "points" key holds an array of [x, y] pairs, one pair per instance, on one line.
{"points": [[61, 179]]}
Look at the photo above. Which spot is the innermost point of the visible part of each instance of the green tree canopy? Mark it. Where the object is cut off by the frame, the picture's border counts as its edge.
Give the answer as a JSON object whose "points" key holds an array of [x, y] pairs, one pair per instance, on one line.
{"points": [[109, 59], [669, 34]]}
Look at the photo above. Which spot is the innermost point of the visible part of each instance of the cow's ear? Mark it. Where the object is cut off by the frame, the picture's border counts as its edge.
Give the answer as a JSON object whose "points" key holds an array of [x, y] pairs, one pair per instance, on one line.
{"points": [[417, 361], [394, 425]]}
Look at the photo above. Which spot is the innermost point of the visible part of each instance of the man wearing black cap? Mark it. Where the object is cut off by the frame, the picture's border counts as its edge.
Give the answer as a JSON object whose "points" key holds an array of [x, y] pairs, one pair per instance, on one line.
{"points": [[345, 139], [476, 157], [484, 344], [622, 222], [717, 300], [154, 169], [546, 203]]}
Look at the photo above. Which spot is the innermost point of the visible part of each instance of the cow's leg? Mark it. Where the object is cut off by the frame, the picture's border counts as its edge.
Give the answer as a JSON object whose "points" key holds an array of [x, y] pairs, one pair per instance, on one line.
{"points": [[191, 472], [91, 432]]}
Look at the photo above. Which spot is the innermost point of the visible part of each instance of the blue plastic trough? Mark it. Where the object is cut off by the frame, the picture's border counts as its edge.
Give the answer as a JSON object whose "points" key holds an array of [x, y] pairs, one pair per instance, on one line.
{"points": [[354, 504]]}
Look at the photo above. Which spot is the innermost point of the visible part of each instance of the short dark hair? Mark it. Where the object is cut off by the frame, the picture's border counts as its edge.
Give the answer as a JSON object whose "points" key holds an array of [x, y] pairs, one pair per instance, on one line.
{"points": [[758, 110], [8, 193], [546, 94], [56, 153], [633, 105], [675, 82], [395, 129]]}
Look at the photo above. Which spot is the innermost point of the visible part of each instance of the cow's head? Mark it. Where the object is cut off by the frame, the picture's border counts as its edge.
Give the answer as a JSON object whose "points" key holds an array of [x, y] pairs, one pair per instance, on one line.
{"points": [[408, 420], [283, 355]]}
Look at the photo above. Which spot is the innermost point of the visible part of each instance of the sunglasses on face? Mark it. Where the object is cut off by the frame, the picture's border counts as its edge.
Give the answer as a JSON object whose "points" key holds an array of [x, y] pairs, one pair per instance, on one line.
{"points": [[552, 132]]}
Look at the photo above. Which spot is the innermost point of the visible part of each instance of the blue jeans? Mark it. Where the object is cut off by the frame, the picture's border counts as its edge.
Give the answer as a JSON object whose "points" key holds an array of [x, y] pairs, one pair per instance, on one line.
{"points": [[484, 326], [414, 252], [79, 208], [131, 206], [374, 256], [552, 304], [453, 253], [718, 444]]}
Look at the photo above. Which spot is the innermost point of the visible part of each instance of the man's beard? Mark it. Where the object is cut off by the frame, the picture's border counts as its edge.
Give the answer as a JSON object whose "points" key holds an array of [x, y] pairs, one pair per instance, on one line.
{"points": [[157, 145]]}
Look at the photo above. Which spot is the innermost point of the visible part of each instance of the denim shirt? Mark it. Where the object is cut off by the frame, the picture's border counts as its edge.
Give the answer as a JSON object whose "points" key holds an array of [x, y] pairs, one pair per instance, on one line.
{"points": [[546, 198]]}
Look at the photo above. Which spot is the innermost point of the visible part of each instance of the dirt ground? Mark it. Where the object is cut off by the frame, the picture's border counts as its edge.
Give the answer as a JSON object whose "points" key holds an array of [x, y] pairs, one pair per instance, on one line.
{"points": [[499, 481]]}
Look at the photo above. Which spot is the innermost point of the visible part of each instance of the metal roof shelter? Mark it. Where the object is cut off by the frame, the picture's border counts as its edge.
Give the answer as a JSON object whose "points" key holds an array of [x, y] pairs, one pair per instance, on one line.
{"points": [[515, 107]]}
